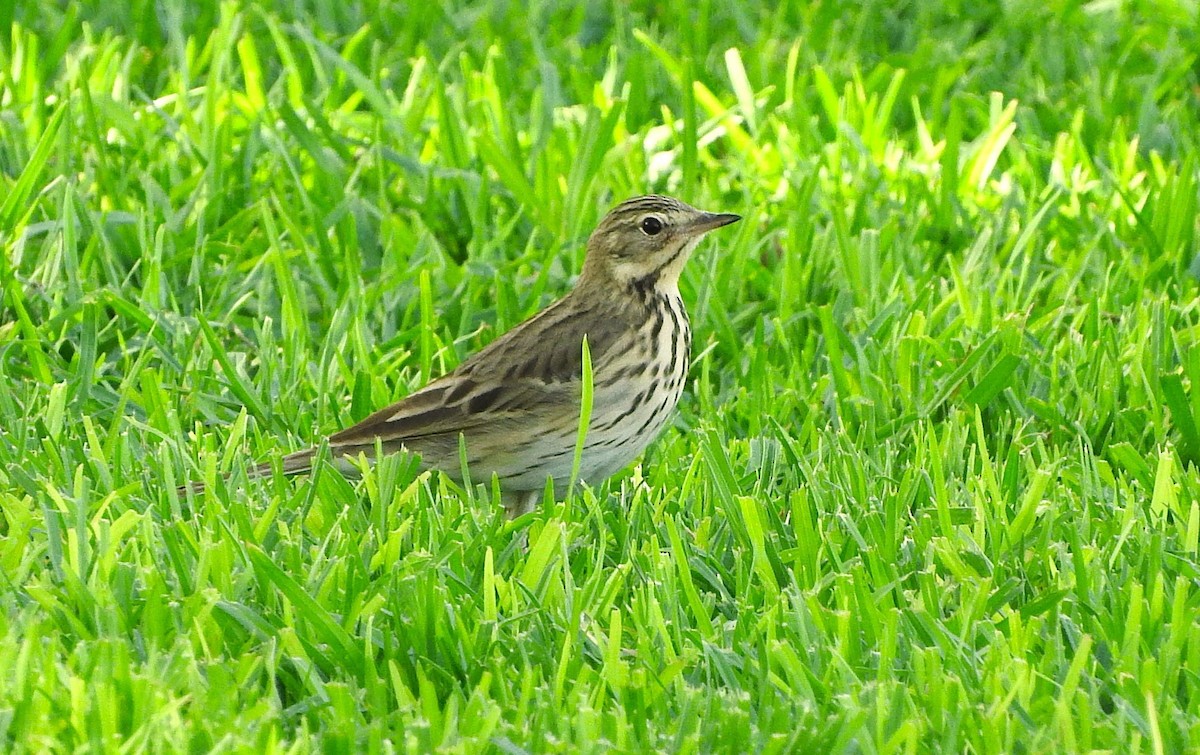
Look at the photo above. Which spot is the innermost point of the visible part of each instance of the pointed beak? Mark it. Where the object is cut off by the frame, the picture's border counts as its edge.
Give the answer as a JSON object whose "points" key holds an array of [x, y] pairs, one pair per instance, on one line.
{"points": [[707, 221]]}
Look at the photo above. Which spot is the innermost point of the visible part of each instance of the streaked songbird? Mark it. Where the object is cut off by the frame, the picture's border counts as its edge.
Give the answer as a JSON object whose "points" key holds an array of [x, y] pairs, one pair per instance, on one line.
{"points": [[516, 403]]}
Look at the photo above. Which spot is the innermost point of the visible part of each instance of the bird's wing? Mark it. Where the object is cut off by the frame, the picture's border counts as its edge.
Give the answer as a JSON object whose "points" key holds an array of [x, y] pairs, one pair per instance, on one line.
{"points": [[449, 405], [533, 369]]}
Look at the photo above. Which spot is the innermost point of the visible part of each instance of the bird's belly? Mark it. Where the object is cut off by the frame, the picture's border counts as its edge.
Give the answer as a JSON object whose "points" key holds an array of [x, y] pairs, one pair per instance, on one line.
{"points": [[605, 452], [623, 429]]}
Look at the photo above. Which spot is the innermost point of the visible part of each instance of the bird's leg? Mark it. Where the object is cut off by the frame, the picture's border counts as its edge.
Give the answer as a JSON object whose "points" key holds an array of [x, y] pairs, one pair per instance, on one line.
{"points": [[519, 504], [515, 505]]}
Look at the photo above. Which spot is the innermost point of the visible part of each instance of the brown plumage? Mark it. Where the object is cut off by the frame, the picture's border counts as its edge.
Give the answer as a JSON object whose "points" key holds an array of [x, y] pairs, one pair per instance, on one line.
{"points": [[516, 402]]}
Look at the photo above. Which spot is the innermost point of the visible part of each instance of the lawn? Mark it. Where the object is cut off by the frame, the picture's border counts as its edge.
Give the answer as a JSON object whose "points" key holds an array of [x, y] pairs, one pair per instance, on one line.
{"points": [[933, 485]]}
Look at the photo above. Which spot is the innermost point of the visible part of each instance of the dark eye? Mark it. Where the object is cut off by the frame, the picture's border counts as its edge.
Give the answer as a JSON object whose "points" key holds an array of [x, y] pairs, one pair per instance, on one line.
{"points": [[652, 226]]}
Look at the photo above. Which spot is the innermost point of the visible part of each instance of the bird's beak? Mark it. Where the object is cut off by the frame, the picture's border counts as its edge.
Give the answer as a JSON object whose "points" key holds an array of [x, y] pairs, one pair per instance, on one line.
{"points": [[707, 221]]}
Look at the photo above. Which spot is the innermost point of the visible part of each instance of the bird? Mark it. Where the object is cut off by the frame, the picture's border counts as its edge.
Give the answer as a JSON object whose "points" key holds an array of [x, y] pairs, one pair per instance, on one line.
{"points": [[516, 403]]}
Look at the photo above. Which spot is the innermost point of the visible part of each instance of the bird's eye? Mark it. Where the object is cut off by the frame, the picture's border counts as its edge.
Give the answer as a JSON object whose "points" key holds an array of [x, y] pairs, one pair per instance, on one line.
{"points": [[652, 226]]}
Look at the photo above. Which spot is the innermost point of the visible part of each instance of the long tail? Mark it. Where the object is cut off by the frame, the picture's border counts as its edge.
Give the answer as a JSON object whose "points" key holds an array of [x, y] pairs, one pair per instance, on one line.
{"points": [[294, 463]]}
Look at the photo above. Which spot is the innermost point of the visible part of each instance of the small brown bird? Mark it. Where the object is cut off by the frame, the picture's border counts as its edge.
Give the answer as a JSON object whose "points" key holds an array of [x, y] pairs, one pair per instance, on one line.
{"points": [[516, 403]]}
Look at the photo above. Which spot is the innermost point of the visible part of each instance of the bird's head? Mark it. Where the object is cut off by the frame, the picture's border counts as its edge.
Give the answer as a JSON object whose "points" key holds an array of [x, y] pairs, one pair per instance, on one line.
{"points": [[645, 241]]}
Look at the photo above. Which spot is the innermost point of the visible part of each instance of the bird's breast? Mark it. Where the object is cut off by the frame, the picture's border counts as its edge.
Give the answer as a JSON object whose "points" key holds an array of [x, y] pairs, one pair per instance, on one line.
{"points": [[637, 387]]}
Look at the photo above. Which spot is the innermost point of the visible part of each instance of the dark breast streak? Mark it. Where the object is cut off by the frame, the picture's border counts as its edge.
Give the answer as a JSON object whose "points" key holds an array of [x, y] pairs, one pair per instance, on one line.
{"points": [[663, 347], [675, 367]]}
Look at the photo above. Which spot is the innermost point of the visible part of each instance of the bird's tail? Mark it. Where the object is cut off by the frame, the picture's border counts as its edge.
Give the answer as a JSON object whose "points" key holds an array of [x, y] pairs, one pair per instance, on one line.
{"points": [[294, 463]]}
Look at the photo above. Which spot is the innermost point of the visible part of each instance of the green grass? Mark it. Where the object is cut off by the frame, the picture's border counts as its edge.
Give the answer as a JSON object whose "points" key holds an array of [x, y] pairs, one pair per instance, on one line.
{"points": [[933, 487]]}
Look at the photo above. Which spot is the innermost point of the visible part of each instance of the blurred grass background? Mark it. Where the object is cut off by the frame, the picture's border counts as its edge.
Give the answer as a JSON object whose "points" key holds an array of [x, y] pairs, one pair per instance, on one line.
{"points": [[933, 486]]}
